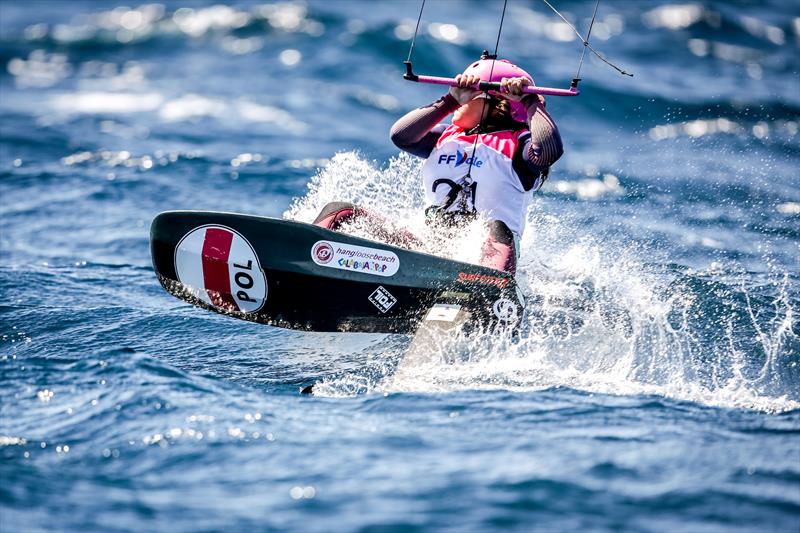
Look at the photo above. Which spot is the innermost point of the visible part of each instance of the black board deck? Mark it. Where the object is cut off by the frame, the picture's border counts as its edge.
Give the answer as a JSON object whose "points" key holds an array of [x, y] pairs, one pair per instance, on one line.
{"points": [[300, 276]]}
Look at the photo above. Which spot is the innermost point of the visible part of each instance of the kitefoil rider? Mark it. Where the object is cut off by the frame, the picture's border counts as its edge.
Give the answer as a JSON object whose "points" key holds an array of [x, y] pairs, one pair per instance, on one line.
{"points": [[497, 151]]}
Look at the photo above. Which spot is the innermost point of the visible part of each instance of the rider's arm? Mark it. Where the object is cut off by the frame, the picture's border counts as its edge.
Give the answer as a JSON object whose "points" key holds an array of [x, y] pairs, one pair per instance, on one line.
{"points": [[418, 131], [539, 149]]}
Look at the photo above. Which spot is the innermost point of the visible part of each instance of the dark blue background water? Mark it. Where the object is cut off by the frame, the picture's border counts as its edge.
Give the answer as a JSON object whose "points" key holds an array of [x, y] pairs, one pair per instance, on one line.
{"points": [[657, 388]]}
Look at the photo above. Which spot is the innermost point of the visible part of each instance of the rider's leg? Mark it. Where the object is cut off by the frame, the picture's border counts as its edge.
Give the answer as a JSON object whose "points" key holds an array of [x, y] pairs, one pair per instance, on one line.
{"points": [[335, 214], [499, 249]]}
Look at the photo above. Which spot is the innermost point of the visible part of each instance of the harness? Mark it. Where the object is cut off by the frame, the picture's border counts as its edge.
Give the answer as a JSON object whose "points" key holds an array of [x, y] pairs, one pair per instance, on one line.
{"points": [[461, 191]]}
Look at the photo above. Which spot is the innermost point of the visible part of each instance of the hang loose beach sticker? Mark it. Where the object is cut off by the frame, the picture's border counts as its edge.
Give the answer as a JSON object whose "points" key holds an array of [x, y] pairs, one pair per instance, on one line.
{"points": [[221, 268], [355, 258]]}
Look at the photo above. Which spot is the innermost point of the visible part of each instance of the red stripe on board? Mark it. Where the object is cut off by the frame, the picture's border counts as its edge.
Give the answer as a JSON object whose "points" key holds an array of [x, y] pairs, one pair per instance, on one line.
{"points": [[216, 279]]}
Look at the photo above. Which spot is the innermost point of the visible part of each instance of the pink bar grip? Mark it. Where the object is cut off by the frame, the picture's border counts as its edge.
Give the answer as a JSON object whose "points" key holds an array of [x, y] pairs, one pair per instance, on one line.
{"points": [[549, 91]]}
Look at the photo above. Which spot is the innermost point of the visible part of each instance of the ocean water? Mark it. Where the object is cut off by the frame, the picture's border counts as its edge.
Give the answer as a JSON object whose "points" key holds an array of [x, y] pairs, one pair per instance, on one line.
{"points": [[656, 382]]}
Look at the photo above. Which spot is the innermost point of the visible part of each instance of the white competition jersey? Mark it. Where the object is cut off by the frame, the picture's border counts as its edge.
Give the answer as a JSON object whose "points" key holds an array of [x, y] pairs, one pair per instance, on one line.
{"points": [[498, 192]]}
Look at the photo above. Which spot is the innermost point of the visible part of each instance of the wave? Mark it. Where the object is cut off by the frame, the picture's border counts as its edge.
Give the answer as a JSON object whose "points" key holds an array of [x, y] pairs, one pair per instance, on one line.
{"points": [[123, 26]]}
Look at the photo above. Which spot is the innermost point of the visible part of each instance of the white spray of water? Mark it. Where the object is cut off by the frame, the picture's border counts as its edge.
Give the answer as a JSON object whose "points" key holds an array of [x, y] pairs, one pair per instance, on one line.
{"points": [[394, 194], [597, 320]]}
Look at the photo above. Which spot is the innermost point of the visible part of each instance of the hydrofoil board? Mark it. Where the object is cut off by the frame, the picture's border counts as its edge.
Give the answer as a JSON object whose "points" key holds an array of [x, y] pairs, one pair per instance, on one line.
{"points": [[300, 276]]}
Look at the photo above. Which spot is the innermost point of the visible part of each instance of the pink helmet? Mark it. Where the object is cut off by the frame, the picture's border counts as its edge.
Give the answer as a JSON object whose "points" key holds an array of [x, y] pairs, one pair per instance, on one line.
{"points": [[496, 70]]}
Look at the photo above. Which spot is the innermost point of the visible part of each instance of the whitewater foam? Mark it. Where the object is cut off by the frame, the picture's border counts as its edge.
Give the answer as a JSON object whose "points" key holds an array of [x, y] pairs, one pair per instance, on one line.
{"points": [[598, 318]]}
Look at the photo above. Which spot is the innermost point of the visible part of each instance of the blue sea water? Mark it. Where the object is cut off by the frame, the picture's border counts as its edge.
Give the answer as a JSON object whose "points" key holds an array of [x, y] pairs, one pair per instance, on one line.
{"points": [[655, 386]]}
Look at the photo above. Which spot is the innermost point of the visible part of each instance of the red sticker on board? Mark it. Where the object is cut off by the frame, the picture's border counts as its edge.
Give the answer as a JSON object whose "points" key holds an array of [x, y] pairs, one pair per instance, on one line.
{"points": [[221, 268]]}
